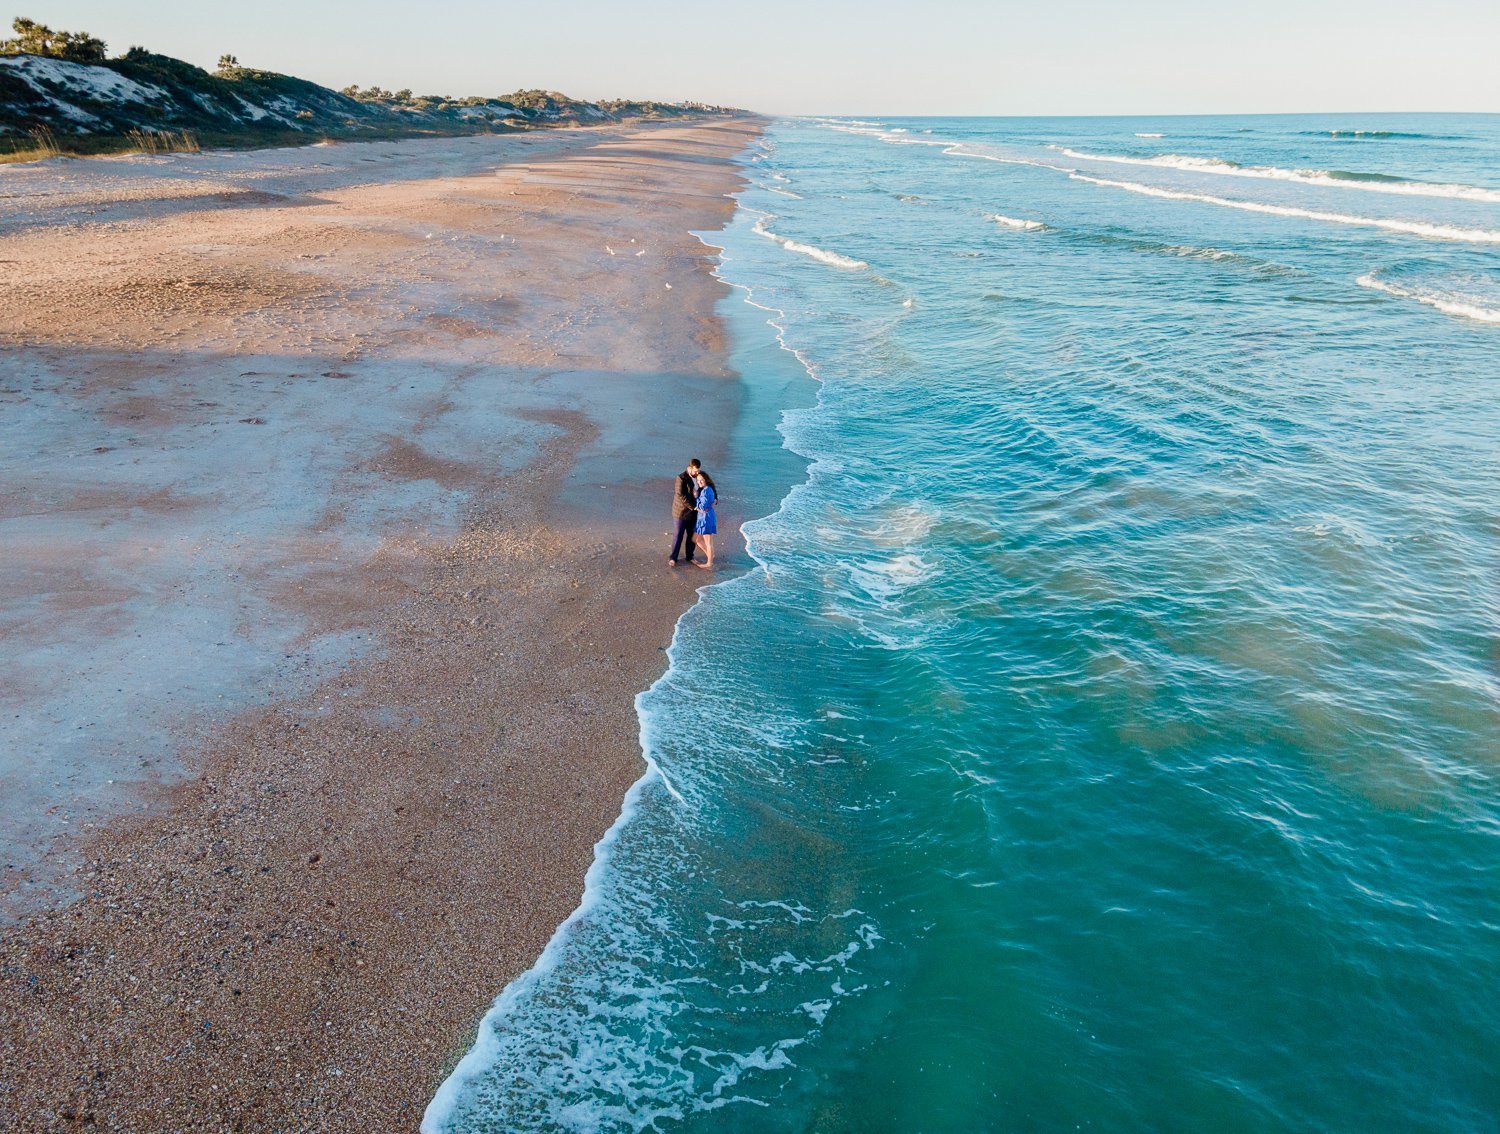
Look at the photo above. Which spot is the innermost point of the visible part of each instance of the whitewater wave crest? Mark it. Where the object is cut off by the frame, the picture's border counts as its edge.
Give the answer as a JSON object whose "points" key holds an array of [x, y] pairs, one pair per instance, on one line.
{"points": [[954, 149], [1411, 228], [1451, 303], [822, 255], [1015, 223], [1325, 178]]}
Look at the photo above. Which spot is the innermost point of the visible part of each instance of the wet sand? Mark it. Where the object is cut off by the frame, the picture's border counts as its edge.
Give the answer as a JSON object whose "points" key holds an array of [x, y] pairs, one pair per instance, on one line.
{"points": [[320, 657]]}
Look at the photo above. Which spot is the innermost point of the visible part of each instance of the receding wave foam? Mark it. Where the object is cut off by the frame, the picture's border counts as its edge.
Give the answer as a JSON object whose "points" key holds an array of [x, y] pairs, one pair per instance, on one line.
{"points": [[1018, 225], [487, 1047], [1327, 178], [1150, 135], [822, 255], [1450, 303], [1411, 228]]}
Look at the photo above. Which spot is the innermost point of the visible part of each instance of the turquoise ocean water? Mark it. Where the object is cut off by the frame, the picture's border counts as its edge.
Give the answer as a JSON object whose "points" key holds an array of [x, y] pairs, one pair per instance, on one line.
{"points": [[1106, 735]]}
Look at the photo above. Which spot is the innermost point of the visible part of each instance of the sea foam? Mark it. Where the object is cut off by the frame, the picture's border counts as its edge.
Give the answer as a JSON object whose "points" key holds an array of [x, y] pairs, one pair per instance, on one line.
{"points": [[486, 1050]]}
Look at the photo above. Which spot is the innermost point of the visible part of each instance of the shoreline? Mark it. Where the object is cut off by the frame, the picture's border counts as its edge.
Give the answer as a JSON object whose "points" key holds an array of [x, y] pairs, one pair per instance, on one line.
{"points": [[765, 470], [319, 881]]}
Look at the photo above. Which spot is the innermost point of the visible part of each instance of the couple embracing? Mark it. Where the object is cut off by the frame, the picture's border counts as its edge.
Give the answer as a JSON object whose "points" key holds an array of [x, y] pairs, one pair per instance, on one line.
{"points": [[693, 509]]}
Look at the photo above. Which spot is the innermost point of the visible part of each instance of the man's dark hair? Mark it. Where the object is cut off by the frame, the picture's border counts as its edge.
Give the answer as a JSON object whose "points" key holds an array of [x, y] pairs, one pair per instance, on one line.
{"points": [[695, 463]]}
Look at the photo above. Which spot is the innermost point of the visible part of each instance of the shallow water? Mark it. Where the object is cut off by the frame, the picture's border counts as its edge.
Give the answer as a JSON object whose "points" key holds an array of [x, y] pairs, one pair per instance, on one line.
{"points": [[1109, 735]]}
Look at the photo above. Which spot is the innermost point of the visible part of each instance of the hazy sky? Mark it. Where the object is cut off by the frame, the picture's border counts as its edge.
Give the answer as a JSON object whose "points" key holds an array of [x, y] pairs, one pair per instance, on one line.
{"points": [[854, 56]]}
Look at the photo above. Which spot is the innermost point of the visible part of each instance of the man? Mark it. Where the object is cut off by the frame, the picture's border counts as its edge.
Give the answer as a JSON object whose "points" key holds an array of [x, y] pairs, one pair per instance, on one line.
{"points": [[685, 512]]}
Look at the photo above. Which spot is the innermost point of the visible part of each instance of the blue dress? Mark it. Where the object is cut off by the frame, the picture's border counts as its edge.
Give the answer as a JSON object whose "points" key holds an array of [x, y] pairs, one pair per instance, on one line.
{"points": [[708, 523]]}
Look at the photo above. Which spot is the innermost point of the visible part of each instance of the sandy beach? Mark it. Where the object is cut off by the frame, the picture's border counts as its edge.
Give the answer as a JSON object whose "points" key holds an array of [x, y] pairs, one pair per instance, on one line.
{"points": [[333, 491]]}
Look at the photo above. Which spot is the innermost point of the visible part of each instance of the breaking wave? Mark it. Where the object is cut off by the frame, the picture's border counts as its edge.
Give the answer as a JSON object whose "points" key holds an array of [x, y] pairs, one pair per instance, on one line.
{"points": [[1328, 178], [1410, 228], [1380, 134], [1449, 303], [1019, 225], [822, 255]]}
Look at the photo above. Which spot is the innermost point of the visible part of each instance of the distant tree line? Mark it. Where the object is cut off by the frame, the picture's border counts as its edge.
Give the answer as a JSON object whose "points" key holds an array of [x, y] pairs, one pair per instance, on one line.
{"points": [[33, 38], [405, 97], [376, 94]]}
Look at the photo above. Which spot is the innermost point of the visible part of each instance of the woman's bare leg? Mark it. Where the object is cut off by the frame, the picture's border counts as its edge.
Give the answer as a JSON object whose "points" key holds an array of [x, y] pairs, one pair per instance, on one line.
{"points": [[708, 550]]}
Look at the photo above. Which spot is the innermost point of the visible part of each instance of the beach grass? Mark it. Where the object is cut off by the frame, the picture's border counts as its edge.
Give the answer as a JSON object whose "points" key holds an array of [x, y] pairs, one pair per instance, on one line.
{"points": [[163, 141], [42, 144]]}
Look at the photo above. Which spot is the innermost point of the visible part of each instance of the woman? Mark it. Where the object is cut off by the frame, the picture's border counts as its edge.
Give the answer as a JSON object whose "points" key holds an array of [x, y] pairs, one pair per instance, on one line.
{"points": [[708, 523]]}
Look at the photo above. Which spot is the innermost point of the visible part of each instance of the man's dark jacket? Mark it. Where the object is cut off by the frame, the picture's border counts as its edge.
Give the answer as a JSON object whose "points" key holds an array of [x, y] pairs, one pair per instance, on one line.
{"points": [[684, 500]]}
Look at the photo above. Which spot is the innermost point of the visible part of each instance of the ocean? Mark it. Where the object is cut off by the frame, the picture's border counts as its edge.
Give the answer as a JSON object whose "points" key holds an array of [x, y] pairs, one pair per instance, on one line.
{"points": [[1106, 733]]}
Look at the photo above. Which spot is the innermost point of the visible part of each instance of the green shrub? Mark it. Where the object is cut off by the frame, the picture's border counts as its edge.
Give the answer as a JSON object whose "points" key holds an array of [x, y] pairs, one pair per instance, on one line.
{"points": [[33, 38]]}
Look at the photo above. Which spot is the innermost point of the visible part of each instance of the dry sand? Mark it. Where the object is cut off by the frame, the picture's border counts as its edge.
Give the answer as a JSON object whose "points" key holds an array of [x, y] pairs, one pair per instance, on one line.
{"points": [[318, 657]]}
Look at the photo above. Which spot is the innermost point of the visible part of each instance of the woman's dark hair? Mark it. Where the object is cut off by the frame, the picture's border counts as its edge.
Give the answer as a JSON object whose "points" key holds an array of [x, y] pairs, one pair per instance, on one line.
{"points": [[709, 481]]}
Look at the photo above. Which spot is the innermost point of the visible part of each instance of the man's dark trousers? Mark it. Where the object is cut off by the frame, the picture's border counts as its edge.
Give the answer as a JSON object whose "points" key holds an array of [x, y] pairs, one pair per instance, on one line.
{"points": [[686, 523]]}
